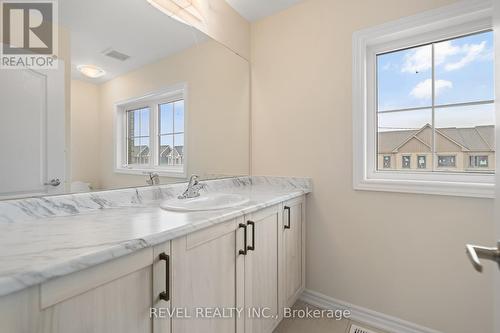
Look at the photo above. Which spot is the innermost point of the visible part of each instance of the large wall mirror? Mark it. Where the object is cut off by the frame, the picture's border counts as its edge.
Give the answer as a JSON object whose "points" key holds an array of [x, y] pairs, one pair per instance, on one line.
{"points": [[136, 93]]}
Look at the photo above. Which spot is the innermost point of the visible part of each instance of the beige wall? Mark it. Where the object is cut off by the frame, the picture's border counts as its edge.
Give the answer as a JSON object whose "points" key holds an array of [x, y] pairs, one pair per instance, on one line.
{"points": [[399, 254], [85, 135], [218, 110]]}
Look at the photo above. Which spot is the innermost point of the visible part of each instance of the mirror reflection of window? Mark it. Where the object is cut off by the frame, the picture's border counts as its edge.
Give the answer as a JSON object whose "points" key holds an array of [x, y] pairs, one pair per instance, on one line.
{"points": [[171, 133], [138, 150], [154, 127]]}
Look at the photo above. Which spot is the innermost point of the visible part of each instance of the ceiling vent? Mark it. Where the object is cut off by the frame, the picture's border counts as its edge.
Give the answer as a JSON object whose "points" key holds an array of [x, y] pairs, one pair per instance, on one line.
{"points": [[359, 329], [116, 55]]}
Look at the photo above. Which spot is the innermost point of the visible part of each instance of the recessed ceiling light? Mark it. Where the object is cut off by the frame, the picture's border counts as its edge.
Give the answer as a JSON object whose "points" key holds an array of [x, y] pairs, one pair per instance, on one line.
{"points": [[91, 71]]}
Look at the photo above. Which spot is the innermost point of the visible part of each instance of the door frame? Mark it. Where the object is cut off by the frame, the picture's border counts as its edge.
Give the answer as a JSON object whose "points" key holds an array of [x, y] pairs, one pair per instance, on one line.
{"points": [[496, 274]]}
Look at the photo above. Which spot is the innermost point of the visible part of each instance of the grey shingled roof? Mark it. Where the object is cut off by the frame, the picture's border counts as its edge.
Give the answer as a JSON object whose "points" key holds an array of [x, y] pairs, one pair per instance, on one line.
{"points": [[479, 138]]}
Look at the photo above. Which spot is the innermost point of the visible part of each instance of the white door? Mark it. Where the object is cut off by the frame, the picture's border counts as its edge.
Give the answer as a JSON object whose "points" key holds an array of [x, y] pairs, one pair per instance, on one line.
{"points": [[478, 254], [32, 132]]}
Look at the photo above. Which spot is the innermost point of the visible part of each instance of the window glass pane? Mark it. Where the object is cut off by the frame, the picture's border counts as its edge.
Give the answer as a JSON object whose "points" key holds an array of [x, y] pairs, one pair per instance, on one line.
{"points": [[422, 162], [404, 133], [166, 149], [404, 79], [171, 150], [166, 118], [133, 128], [406, 162], [387, 162], [138, 122], [144, 122], [179, 116], [465, 131], [464, 69], [138, 151], [479, 161], [179, 149]]}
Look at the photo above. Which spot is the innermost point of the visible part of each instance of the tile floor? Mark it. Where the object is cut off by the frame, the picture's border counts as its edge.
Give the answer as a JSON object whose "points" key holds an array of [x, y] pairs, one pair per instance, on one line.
{"points": [[323, 325]]}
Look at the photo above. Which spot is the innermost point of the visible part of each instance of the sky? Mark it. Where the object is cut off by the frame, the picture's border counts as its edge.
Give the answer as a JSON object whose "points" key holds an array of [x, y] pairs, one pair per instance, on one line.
{"points": [[464, 72]]}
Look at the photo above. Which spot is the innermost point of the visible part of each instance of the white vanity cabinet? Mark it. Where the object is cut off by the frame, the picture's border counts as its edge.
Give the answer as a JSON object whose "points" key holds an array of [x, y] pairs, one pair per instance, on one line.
{"points": [[233, 265], [232, 277], [116, 296], [293, 261], [254, 263]]}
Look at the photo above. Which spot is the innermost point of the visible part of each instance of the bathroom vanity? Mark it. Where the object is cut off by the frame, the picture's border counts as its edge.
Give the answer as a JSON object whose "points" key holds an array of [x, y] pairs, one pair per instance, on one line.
{"points": [[115, 261]]}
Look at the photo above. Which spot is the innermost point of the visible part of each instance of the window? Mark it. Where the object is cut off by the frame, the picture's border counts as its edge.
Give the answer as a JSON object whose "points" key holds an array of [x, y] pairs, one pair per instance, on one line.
{"points": [[406, 163], [171, 133], [480, 161], [437, 97], [446, 161], [424, 87], [151, 134], [387, 162], [138, 152], [422, 161]]}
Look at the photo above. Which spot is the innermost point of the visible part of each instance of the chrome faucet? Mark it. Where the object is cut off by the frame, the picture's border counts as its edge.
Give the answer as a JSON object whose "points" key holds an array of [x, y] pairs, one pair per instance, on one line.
{"points": [[153, 179], [193, 189]]}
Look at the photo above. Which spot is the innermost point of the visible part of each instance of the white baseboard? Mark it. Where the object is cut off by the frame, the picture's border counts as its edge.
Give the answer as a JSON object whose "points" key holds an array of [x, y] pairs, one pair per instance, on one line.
{"points": [[372, 318]]}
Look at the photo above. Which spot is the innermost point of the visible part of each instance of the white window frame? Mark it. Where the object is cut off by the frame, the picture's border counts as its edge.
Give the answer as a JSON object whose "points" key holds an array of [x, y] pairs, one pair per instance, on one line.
{"points": [[151, 100], [459, 19]]}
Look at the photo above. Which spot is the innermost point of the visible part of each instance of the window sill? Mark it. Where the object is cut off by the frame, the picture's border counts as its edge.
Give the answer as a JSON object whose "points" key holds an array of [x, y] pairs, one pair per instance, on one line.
{"points": [[450, 188], [162, 172]]}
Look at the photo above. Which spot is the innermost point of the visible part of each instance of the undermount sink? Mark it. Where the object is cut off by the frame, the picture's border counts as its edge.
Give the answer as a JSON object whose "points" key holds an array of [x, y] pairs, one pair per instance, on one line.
{"points": [[212, 201]]}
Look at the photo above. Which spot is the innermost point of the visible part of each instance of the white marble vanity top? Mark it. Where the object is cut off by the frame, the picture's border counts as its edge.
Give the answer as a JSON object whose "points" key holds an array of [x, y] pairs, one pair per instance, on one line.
{"points": [[43, 238]]}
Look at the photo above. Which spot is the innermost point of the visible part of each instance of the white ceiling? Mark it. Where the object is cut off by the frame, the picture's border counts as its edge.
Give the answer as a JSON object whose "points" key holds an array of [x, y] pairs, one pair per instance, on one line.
{"points": [[132, 27], [254, 10]]}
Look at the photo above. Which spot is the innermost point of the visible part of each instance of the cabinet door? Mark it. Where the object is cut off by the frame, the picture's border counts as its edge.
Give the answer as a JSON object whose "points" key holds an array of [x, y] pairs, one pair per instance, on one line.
{"points": [[206, 272], [121, 305], [261, 271], [293, 280]]}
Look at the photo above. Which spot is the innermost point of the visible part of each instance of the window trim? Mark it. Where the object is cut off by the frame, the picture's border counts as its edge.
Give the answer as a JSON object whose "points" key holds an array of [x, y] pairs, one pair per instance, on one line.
{"points": [[458, 19], [152, 99]]}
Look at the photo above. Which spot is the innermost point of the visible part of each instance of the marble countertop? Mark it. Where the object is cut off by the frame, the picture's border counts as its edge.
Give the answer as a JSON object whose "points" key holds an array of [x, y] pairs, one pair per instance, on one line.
{"points": [[44, 238]]}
